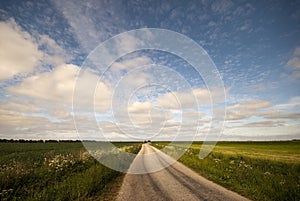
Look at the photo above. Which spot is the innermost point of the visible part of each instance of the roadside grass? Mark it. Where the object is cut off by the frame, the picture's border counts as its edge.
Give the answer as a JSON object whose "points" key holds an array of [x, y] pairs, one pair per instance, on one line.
{"points": [[257, 170], [53, 171]]}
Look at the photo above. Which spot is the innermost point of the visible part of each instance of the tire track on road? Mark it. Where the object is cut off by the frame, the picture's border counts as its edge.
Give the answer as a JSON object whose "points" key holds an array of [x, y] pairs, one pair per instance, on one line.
{"points": [[188, 182], [175, 182]]}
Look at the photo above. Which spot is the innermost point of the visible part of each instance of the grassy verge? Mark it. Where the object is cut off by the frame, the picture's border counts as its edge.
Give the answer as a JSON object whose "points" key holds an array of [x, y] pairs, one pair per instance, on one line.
{"points": [[259, 171], [53, 171]]}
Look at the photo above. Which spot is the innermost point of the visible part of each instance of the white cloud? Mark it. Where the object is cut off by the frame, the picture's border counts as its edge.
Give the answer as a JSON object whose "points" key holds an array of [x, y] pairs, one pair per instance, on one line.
{"points": [[22, 53], [171, 100], [135, 80], [92, 92], [54, 54], [193, 115], [102, 97], [152, 118], [288, 110], [244, 10], [140, 107], [293, 64], [142, 119], [293, 103], [203, 95], [250, 105], [140, 113], [108, 127], [58, 86], [91, 22], [131, 63], [81, 23], [33, 118], [261, 86], [245, 110], [185, 100], [279, 115], [263, 109], [15, 119], [221, 6], [19, 52], [36, 107], [173, 124], [20, 126], [127, 43], [20, 106], [264, 124]]}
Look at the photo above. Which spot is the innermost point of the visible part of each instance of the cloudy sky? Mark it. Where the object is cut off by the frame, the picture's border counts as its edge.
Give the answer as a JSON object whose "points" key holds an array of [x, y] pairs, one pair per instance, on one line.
{"points": [[51, 57]]}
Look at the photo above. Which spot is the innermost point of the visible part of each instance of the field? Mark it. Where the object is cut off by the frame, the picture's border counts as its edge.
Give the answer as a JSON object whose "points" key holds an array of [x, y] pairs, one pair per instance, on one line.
{"points": [[54, 171], [257, 170], [66, 171]]}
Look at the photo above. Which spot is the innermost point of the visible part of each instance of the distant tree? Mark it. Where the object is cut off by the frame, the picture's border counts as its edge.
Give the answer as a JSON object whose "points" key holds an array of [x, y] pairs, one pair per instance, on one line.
{"points": [[51, 141]]}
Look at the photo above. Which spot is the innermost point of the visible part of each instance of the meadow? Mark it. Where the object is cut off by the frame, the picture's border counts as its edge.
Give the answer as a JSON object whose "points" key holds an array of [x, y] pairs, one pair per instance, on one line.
{"points": [[54, 171], [66, 171], [257, 170]]}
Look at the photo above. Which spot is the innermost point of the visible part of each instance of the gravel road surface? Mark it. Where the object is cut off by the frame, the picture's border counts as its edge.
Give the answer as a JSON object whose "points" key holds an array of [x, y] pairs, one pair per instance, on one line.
{"points": [[176, 182]]}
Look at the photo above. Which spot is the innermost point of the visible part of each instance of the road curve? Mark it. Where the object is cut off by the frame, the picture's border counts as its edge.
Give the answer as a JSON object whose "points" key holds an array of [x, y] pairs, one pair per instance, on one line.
{"points": [[176, 182]]}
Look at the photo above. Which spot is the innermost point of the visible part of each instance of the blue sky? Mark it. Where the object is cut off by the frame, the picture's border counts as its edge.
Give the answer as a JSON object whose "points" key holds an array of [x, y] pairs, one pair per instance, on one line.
{"points": [[255, 46]]}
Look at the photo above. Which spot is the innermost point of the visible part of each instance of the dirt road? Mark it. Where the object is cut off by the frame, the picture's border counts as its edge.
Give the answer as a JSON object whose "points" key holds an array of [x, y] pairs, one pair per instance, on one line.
{"points": [[176, 182]]}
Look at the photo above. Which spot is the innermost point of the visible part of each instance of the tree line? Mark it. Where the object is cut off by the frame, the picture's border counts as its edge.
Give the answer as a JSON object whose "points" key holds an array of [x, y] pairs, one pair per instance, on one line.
{"points": [[36, 141]]}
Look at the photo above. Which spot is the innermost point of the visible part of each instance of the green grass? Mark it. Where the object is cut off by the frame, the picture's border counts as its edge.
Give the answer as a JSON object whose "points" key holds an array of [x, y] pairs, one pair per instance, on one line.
{"points": [[288, 151], [53, 171], [257, 170]]}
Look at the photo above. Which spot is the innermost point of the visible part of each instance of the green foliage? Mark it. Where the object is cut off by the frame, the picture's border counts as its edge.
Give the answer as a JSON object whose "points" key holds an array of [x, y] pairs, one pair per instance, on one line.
{"points": [[52, 171], [243, 170]]}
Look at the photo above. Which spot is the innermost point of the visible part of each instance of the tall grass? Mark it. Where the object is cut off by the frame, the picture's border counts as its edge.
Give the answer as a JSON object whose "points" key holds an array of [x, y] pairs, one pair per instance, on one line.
{"points": [[52, 171], [257, 178]]}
